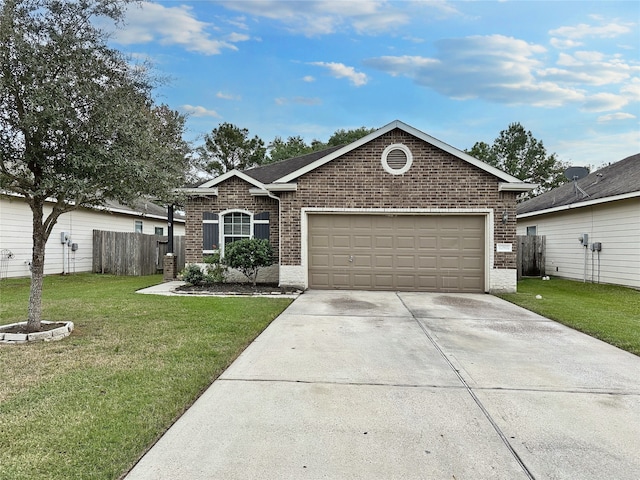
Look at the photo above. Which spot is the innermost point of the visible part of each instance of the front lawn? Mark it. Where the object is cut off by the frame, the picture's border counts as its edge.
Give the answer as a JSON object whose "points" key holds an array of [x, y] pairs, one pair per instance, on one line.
{"points": [[608, 312], [88, 406]]}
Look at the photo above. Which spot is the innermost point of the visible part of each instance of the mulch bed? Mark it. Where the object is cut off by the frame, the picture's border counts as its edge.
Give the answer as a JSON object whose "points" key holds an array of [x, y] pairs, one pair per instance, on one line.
{"points": [[238, 289], [44, 327]]}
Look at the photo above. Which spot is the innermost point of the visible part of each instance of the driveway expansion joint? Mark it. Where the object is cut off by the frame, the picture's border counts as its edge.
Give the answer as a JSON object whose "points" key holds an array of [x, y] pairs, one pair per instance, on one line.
{"points": [[477, 401], [355, 384]]}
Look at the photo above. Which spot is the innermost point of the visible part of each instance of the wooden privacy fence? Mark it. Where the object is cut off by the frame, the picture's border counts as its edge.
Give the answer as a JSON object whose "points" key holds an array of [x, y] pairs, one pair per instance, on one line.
{"points": [[531, 255], [128, 253]]}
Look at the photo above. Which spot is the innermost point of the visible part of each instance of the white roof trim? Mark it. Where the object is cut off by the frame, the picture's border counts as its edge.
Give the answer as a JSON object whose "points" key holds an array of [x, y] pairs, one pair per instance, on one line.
{"points": [[198, 191], [104, 208], [274, 187], [580, 204], [228, 175], [412, 131], [516, 187], [259, 192], [282, 187]]}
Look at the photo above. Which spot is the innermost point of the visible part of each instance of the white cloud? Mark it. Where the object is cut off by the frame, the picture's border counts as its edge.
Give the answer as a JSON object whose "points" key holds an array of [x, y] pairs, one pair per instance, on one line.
{"points": [[340, 70], [584, 30], [149, 22], [615, 116], [496, 68], [632, 90], [309, 78], [564, 43], [199, 111], [323, 17], [602, 102], [228, 96]]}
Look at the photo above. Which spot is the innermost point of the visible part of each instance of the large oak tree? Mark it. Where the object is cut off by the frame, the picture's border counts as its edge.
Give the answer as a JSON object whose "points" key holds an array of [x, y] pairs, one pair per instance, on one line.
{"points": [[78, 125]]}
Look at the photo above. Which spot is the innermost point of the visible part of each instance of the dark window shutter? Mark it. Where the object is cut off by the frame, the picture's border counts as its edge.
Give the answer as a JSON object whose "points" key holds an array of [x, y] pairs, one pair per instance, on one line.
{"points": [[210, 231], [261, 225]]}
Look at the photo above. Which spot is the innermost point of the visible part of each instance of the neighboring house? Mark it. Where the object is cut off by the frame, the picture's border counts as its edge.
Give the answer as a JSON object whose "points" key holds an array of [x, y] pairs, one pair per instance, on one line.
{"points": [[16, 232], [395, 210], [604, 205]]}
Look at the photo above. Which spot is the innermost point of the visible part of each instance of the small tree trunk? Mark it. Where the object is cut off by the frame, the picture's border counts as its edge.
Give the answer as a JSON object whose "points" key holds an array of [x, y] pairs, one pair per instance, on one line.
{"points": [[37, 269]]}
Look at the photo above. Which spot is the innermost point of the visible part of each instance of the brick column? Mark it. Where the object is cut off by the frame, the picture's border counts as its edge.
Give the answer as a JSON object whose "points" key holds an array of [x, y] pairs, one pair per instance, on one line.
{"points": [[170, 267]]}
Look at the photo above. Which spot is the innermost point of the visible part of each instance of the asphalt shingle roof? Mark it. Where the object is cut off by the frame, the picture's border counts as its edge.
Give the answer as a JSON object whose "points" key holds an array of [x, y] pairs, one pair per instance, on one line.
{"points": [[273, 171], [616, 179]]}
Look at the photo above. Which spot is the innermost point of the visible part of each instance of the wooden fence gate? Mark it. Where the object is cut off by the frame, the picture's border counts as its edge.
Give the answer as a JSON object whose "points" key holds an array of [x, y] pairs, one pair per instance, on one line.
{"points": [[531, 256], [128, 253]]}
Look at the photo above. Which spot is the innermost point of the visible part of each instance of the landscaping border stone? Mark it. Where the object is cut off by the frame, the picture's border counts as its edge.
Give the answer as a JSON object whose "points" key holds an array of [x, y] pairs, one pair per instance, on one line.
{"points": [[47, 336]]}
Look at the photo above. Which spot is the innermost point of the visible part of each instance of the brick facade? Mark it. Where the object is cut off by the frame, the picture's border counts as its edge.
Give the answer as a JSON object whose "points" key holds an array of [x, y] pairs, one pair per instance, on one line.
{"points": [[436, 179], [357, 180], [232, 195]]}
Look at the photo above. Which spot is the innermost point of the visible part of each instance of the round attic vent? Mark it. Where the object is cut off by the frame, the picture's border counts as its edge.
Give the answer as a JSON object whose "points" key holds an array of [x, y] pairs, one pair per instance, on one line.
{"points": [[397, 159]]}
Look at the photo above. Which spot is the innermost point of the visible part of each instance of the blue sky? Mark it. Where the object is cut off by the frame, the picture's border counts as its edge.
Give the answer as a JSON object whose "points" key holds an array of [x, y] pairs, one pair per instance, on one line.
{"points": [[568, 71]]}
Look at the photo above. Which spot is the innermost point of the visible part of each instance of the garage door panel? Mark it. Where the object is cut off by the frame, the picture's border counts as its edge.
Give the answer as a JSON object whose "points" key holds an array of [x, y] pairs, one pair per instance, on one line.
{"points": [[383, 281], [340, 260], [383, 261], [384, 241], [318, 260], [405, 242], [406, 261], [321, 280], [362, 241], [341, 241], [361, 260], [449, 243], [403, 252], [362, 280]]}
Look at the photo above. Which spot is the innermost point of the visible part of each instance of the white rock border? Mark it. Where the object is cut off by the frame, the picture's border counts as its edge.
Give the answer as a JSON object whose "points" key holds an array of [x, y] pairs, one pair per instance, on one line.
{"points": [[48, 336]]}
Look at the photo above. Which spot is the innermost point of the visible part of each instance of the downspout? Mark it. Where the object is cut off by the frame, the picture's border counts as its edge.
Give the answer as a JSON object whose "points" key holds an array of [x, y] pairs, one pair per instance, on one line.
{"points": [[271, 195]]}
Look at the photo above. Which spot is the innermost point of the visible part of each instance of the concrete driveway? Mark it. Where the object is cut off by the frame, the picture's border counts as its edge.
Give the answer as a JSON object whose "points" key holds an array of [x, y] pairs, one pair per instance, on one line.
{"points": [[382, 385]]}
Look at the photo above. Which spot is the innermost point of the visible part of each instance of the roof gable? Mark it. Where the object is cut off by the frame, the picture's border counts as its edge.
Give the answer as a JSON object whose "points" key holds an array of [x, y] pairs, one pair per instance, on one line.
{"points": [[621, 179], [267, 177], [410, 130], [233, 173]]}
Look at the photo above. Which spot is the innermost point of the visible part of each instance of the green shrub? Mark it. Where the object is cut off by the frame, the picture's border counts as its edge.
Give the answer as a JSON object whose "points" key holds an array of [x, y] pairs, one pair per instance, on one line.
{"points": [[193, 274], [248, 256], [216, 269]]}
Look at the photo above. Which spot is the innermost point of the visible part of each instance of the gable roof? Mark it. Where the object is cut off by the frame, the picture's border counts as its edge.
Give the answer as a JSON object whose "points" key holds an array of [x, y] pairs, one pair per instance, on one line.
{"points": [[412, 131], [615, 182], [267, 177]]}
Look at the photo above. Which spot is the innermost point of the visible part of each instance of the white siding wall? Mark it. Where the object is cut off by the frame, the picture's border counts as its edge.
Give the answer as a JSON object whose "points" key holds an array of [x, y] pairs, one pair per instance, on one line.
{"points": [[15, 235], [615, 224]]}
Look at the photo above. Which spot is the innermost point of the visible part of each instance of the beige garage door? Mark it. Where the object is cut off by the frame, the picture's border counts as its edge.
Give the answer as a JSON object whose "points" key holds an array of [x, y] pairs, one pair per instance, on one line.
{"points": [[396, 252]]}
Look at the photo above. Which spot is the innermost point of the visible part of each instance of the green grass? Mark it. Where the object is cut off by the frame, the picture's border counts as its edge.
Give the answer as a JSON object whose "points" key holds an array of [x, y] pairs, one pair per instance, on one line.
{"points": [[88, 406], [608, 312]]}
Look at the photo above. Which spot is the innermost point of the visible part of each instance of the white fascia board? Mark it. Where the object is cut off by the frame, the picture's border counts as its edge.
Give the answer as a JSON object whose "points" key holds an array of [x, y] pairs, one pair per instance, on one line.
{"points": [[228, 175], [198, 191], [282, 187], [412, 131], [587, 203], [274, 187], [516, 187]]}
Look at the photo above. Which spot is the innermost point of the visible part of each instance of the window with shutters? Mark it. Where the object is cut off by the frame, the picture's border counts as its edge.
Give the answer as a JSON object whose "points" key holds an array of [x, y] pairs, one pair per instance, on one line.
{"points": [[397, 159], [221, 229]]}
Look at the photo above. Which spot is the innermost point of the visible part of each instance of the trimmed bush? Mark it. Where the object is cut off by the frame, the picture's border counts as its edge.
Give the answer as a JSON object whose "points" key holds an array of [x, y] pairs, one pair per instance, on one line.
{"points": [[193, 274], [248, 256]]}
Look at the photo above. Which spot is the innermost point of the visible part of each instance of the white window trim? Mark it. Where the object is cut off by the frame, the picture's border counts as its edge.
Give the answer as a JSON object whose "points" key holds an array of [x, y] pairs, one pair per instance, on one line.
{"points": [[135, 226], [221, 226], [407, 152]]}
